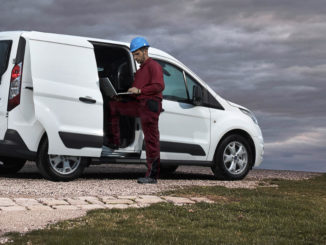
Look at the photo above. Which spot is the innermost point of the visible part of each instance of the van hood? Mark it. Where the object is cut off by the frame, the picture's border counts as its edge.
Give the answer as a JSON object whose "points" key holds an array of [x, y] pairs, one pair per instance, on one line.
{"points": [[236, 105]]}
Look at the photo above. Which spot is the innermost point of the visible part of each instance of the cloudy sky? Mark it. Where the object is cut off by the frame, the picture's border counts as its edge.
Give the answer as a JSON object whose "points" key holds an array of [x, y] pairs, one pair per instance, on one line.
{"points": [[268, 55]]}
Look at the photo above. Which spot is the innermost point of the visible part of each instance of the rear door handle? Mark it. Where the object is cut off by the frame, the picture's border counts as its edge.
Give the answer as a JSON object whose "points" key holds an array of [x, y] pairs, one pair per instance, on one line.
{"points": [[87, 100], [29, 88]]}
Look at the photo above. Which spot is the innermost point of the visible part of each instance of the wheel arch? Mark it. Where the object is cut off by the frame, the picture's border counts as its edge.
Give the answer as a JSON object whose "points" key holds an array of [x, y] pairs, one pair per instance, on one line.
{"points": [[43, 138], [244, 134]]}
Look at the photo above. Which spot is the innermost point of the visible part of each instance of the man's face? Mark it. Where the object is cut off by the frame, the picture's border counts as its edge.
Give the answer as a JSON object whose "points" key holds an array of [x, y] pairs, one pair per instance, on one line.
{"points": [[139, 56]]}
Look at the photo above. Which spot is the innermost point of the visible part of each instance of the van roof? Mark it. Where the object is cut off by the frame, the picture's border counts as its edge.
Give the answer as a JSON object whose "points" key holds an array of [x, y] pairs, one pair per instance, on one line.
{"points": [[73, 40], [10, 34]]}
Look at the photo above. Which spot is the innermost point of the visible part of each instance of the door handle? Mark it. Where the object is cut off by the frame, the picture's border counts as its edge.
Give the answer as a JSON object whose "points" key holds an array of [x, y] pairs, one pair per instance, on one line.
{"points": [[87, 100], [29, 88]]}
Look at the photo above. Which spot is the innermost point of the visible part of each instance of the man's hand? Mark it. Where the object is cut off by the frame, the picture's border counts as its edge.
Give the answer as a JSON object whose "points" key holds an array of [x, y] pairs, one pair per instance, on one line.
{"points": [[134, 90]]}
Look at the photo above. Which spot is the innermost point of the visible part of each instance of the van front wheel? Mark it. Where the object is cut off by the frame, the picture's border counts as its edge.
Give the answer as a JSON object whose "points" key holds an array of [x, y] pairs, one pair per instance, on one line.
{"points": [[59, 168], [232, 158]]}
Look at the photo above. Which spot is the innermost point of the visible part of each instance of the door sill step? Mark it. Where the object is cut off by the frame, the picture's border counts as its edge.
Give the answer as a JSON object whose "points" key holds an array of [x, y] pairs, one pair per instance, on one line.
{"points": [[110, 153]]}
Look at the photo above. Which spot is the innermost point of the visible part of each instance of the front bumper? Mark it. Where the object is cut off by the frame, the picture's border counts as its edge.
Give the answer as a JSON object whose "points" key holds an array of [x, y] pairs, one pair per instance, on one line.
{"points": [[259, 145]]}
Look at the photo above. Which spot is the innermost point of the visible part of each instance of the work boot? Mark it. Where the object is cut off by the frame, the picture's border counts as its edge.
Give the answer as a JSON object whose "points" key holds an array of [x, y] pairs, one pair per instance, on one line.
{"points": [[146, 180]]}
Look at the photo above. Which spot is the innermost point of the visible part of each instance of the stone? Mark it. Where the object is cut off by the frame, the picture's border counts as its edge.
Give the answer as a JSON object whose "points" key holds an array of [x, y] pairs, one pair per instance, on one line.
{"points": [[117, 206], [76, 201], [26, 202], [13, 208], [91, 200], [149, 199], [118, 201], [53, 201], [128, 197], [39, 208], [6, 202], [178, 200], [107, 197], [201, 199], [139, 205], [66, 207], [91, 206]]}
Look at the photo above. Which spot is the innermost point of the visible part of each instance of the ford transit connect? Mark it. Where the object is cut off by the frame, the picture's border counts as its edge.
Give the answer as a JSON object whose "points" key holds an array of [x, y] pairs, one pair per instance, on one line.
{"points": [[53, 110]]}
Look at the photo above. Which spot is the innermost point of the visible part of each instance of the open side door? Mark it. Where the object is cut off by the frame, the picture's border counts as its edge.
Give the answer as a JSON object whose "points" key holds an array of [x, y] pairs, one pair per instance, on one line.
{"points": [[116, 64], [67, 98]]}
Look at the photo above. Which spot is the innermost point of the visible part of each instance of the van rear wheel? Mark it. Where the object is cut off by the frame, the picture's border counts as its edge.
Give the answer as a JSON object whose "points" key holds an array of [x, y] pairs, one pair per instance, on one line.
{"points": [[10, 165], [59, 168]]}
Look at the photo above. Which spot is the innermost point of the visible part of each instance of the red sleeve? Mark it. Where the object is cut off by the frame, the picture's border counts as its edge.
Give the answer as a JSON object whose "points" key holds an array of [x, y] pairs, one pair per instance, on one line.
{"points": [[157, 82]]}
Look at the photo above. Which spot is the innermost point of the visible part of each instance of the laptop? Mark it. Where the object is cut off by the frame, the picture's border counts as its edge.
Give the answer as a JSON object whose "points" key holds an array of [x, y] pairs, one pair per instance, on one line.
{"points": [[108, 89]]}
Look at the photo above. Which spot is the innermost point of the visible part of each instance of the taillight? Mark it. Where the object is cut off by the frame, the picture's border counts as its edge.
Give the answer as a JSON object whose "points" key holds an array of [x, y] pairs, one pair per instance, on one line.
{"points": [[15, 85]]}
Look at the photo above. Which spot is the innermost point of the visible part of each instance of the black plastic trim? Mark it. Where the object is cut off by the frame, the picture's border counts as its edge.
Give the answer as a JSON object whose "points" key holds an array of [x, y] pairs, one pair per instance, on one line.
{"points": [[7, 57], [14, 146], [20, 50], [186, 162], [192, 149], [135, 160], [79, 141]]}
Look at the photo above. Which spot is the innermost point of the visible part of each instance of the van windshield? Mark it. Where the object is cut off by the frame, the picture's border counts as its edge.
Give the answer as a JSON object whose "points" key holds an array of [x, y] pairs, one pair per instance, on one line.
{"points": [[5, 47]]}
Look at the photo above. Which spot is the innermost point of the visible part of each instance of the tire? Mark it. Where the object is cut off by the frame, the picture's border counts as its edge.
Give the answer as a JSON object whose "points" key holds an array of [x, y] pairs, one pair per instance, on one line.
{"points": [[169, 169], [233, 158], [59, 168], [9, 165]]}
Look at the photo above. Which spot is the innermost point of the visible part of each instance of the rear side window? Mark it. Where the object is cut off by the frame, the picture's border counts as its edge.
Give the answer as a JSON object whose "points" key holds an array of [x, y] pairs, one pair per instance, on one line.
{"points": [[5, 47], [191, 83]]}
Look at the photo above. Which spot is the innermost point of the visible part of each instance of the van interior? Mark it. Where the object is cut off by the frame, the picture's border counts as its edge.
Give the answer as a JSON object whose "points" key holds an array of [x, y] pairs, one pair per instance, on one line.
{"points": [[115, 62]]}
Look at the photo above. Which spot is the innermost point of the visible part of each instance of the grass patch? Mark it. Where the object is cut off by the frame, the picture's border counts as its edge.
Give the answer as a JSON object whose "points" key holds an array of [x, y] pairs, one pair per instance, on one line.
{"points": [[293, 213]]}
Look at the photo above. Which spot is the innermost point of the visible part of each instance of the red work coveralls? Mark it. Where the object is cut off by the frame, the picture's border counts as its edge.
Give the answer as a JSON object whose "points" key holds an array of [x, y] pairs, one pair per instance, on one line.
{"points": [[147, 106]]}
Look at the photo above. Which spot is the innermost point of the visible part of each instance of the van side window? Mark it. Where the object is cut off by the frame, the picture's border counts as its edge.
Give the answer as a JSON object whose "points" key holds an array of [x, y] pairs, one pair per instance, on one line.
{"points": [[175, 88], [5, 47], [208, 99], [190, 84]]}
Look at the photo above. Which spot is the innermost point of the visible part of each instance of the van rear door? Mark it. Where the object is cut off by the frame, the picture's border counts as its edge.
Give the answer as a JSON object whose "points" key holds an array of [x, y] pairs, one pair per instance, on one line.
{"points": [[6, 48], [68, 101]]}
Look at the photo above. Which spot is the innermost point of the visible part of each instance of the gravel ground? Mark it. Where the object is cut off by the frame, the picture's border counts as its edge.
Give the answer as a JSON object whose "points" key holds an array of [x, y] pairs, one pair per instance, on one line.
{"points": [[108, 180], [121, 180]]}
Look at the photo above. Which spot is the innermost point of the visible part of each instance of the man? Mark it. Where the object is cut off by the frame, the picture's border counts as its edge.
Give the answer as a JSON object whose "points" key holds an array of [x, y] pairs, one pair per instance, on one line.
{"points": [[147, 88]]}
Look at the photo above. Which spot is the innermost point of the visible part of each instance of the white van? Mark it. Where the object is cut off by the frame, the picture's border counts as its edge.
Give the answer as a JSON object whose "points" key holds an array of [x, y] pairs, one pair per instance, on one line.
{"points": [[53, 111]]}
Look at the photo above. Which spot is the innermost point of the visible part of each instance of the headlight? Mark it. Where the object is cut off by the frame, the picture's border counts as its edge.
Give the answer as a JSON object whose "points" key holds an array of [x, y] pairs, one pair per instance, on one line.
{"points": [[250, 114]]}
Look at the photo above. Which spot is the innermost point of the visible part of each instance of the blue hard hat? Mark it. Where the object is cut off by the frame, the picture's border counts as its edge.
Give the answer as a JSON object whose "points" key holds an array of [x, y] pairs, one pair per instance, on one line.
{"points": [[137, 43]]}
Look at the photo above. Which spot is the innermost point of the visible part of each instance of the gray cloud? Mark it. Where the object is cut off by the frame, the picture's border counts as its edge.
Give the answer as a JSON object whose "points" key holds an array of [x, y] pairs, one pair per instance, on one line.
{"points": [[269, 56]]}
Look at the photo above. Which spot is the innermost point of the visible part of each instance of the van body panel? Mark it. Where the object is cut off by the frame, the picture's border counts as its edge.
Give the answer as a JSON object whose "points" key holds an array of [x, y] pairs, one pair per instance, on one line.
{"points": [[58, 38], [63, 74], [22, 118], [221, 126], [185, 124]]}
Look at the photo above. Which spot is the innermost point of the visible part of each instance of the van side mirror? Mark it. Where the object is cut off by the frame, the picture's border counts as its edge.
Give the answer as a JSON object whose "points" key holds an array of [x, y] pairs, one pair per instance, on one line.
{"points": [[197, 96]]}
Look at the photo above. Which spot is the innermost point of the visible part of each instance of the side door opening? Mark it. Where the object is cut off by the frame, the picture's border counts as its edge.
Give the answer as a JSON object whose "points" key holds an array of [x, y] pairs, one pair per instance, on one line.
{"points": [[116, 63]]}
